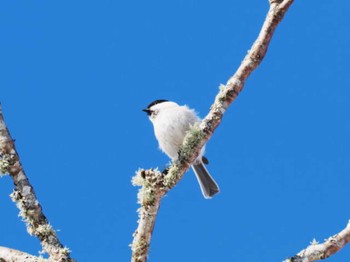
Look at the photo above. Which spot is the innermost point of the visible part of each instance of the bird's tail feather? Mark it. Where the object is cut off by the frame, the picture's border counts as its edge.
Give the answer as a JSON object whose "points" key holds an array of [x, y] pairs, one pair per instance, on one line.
{"points": [[208, 185]]}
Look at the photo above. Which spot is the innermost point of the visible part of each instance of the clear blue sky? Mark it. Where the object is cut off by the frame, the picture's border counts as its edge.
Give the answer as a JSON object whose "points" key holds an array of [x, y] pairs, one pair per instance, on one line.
{"points": [[76, 74]]}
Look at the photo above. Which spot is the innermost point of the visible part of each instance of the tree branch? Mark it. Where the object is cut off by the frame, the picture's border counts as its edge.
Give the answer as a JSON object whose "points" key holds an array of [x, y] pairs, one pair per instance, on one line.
{"points": [[151, 193], [149, 197], [322, 251], [26, 200], [13, 255]]}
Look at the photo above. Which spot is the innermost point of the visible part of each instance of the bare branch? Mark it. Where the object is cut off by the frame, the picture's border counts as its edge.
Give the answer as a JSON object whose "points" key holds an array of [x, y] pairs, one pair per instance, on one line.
{"points": [[199, 135], [13, 255], [26, 200], [322, 251]]}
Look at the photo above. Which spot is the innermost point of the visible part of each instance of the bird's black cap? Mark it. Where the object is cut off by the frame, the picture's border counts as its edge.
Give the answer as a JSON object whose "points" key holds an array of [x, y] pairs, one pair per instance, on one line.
{"points": [[148, 110], [155, 102]]}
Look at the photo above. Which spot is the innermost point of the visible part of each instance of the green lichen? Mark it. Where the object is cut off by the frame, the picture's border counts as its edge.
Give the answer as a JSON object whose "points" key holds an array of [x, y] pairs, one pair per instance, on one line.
{"points": [[45, 230], [193, 137], [65, 251], [6, 160], [151, 181], [171, 178], [137, 179], [139, 249]]}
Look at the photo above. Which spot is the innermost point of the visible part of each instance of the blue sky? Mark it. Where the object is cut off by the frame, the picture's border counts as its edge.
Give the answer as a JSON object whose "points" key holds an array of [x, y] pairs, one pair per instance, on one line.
{"points": [[76, 74]]}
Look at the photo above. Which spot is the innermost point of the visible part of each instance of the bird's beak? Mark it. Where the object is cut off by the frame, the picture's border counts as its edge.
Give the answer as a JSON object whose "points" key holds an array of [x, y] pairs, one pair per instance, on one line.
{"points": [[148, 111]]}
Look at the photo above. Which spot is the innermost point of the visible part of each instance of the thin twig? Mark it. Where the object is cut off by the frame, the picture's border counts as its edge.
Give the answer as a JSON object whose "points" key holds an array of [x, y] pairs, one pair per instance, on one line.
{"points": [[26, 200], [322, 251], [199, 135]]}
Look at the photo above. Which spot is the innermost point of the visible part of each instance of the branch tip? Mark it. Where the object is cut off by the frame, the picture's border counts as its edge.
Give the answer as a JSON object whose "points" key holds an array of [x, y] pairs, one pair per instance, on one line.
{"points": [[318, 251]]}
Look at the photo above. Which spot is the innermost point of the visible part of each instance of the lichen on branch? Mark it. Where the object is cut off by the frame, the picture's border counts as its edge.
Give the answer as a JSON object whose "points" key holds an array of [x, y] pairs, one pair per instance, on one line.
{"points": [[198, 135]]}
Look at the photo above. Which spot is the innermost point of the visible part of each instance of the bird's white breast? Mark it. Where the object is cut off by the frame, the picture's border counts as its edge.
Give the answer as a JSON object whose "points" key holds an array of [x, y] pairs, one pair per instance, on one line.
{"points": [[170, 127]]}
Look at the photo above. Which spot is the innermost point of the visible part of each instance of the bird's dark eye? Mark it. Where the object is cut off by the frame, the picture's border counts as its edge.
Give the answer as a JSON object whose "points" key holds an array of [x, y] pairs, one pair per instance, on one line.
{"points": [[154, 113]]}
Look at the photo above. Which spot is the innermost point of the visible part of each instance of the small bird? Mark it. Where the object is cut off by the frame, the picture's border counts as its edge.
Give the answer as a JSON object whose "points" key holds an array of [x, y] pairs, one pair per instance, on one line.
{"points": [[171, 122]]}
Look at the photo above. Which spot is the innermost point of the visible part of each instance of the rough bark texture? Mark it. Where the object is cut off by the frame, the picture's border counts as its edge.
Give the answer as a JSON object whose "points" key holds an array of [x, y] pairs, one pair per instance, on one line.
{"points": [[13, 255], [199, 135], [322, 251], [26, 200], [149, 197]]}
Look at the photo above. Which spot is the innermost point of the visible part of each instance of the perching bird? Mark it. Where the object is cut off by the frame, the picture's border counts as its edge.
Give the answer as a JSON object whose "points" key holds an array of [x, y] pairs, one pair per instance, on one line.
{"points": [[171, 122]]}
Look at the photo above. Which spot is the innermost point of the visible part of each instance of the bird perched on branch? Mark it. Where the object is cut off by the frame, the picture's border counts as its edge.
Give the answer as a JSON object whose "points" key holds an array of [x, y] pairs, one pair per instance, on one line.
{"points": [[171, 123]]}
